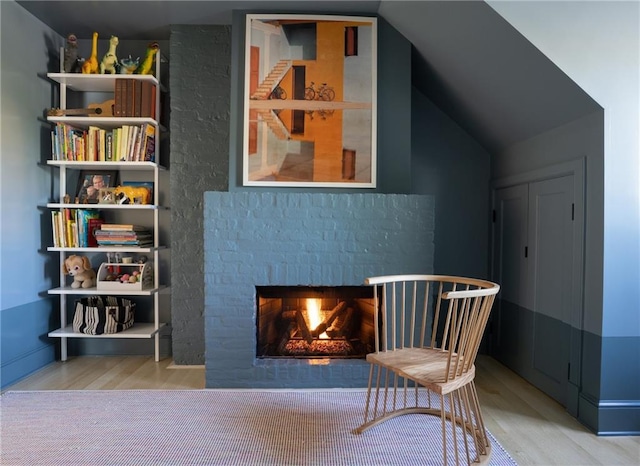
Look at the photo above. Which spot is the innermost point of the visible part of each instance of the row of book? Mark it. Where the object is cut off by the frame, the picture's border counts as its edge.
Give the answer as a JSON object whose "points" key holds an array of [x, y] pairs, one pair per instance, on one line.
{"points": [[123, 235], [74, 228], [129, 143], [83, 228], [134, 98]]}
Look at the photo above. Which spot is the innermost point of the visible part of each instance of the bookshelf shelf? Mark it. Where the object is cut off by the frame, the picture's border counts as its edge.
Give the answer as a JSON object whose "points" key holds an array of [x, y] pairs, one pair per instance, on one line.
{"points": [[104, 122], [56, 205], [105, 165], [87, 144], [107, 249], [136, 331], [67, 290], [96, 82]]}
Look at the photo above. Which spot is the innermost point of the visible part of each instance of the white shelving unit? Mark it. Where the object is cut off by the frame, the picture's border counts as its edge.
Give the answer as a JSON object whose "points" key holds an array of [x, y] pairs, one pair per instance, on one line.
{"points": [[147, 215]]}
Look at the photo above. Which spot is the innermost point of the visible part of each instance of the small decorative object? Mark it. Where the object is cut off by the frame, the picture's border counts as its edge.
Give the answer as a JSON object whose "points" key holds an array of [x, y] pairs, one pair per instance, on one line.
{"points": [[129, 65], [90, 66], [102, 109], [66, 199], [121, 276], [71, 60], [110, 61], [90, 183], [132, 194], [79, 267], [146, 67], [106, 196]]}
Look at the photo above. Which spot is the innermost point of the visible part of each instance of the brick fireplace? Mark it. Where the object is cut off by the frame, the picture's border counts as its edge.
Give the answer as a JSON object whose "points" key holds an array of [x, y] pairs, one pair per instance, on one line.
{"points": [[267, 239]]}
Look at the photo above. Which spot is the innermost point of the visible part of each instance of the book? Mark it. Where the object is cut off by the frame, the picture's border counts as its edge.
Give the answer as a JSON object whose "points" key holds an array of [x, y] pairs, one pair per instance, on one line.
{"points": [[109, 146], [137, 98], [93, 225], [121, 226], [145, 99], [133, 135], [128, 100], [84, 216], [118, 97], [149, 154]]}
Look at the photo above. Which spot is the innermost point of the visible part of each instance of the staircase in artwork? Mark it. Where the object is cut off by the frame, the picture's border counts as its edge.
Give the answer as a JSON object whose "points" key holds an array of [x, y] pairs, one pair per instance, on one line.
{"points": [[263, 91], [274, 123]]}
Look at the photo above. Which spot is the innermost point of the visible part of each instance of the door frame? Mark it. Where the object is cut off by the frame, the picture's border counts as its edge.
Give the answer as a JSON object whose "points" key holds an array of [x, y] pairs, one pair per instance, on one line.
{"points": [[577, 168]]}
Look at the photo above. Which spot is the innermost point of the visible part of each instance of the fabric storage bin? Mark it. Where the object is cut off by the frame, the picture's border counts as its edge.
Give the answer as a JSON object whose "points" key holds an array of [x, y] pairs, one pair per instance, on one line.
{"points": [[98, 315]]}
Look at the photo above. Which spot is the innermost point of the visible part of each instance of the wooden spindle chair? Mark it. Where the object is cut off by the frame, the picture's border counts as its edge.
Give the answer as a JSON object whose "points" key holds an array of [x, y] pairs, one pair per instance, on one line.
{"points": [[428, 331]]}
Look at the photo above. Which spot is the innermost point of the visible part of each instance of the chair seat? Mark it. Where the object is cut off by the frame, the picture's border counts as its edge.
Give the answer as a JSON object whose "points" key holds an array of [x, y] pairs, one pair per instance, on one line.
{"points": [[425, 366]]}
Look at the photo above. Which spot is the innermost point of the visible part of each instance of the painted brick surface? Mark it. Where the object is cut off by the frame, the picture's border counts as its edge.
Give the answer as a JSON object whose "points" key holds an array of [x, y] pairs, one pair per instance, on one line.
{"points": [[199, 124], [264, 239]]}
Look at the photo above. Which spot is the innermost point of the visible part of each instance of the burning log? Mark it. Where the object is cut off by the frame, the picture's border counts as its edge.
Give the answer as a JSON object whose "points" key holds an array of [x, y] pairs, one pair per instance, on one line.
{"points": [[286, 336], [326, 323], [289, 315], [302, 326], [341, 327]]}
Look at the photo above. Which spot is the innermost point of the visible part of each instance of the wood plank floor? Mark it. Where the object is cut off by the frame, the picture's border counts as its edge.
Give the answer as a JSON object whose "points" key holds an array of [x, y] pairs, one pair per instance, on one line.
{"points": [[533, 428]]}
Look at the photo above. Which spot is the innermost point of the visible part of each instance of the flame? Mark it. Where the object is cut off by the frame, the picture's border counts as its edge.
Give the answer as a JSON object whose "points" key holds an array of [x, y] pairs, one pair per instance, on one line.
{"points": [[314, 316], [313, 312]]}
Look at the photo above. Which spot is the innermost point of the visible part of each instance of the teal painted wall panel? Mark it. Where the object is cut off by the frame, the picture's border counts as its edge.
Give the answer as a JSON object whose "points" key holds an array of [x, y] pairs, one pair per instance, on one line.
{"points": [[603, 390], [24, 344]]}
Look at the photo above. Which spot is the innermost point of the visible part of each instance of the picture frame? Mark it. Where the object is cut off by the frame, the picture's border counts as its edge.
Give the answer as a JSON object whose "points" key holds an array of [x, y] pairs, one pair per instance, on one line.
{"points": [[106, 196], [310, 101], [90, 182]]}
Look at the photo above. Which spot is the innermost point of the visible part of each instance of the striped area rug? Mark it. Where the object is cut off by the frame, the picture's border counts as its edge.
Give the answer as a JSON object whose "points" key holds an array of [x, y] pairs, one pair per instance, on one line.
{"points": [[210, 427]]}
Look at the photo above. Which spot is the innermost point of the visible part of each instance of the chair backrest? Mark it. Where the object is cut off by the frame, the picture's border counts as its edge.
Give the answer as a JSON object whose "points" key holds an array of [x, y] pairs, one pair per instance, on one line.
{"points": [[445, 313]]}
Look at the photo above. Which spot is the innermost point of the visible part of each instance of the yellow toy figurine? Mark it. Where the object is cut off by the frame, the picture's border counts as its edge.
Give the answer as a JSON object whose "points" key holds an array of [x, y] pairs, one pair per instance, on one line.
{"points": [[90, 66], [146, 67]]}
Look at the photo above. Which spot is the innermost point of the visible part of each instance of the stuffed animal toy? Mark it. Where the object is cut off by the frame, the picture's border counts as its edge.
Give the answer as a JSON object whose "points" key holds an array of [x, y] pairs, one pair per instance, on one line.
{"points": [[80, 269]]}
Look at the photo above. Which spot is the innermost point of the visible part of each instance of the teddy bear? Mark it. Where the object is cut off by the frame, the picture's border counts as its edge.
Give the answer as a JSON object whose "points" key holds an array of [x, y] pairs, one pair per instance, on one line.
{"points": [[80, 269]]}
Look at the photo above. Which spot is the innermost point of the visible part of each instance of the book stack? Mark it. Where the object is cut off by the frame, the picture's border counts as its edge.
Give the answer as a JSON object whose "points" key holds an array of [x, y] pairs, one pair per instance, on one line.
{"points": [[118, 234]]}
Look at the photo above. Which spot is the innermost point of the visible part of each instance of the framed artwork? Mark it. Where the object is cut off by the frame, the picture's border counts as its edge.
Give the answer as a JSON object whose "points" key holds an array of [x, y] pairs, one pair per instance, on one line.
{"points": [[90, 183], [310, 101]]}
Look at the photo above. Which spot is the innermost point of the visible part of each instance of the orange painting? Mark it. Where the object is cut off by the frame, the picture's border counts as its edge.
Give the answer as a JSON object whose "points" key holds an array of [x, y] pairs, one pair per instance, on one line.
{"points": [[310, 103]]}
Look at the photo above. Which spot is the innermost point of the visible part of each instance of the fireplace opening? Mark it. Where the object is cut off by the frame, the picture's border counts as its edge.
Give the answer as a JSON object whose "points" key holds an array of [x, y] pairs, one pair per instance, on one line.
{"points": [[314, 322]]}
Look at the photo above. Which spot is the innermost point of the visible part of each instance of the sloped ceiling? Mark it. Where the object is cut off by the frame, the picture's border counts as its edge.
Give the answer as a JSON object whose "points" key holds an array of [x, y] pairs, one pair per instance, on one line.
{"points": [[467, 59]]}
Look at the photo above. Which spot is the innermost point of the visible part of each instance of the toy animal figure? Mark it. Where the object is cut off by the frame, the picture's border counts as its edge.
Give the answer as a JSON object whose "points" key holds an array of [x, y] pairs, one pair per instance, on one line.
{"points": [[90, 66], [71, 60], [129, 65], [134, 194], [146, 67], [79, 267], [110, 61]]}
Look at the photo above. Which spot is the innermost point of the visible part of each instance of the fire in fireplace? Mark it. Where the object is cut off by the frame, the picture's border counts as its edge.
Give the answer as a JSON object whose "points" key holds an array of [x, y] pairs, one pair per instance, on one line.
{"points": [[314, 322]]}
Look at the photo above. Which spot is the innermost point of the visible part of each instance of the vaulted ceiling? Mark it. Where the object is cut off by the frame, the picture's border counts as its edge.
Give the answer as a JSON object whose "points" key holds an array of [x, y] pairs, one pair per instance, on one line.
{"points": [[466, 58]]}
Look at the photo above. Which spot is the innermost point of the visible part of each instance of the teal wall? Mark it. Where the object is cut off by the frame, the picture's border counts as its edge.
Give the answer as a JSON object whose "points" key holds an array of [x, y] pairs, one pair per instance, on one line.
{"points": [[26, 313]]}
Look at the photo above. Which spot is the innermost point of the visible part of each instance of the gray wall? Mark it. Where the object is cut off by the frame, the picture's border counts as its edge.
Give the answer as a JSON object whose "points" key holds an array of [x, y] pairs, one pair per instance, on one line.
{"points": [[199, 162]]}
